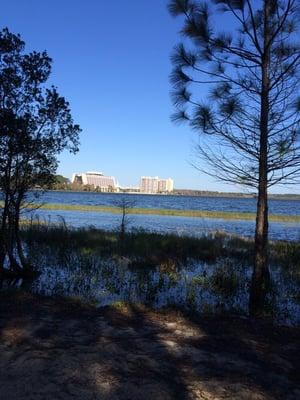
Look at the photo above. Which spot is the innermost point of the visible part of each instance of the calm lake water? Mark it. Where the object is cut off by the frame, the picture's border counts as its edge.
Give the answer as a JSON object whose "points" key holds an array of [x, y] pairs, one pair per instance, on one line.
{"points": [[286, 207], [171, 224]]}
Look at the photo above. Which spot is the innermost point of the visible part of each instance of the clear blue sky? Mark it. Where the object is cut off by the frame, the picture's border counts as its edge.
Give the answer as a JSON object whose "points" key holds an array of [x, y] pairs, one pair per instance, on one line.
{"points": [[111, 61]]}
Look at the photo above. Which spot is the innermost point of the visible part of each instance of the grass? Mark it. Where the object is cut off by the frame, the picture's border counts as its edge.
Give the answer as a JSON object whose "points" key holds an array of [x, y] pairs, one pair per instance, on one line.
{"points": [[142, 247], [170, 212], [94, 255], [146, 249]]}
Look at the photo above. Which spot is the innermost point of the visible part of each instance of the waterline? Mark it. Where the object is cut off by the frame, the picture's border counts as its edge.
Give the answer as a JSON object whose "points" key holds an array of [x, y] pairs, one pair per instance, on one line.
{"points": [[167, 212]]}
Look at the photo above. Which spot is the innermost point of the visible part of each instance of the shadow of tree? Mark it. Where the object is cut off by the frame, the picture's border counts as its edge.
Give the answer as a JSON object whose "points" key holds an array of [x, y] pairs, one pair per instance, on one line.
{"points": [[62, 349]]}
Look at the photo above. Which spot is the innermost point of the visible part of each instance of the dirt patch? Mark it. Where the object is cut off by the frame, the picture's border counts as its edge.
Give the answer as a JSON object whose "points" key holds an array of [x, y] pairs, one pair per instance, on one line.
{"points": [[62, 349]]}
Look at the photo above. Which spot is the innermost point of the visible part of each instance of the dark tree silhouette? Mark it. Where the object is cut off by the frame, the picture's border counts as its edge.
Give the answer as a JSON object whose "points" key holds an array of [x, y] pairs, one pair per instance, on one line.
{"points": [[250, 121], [35, 126]]}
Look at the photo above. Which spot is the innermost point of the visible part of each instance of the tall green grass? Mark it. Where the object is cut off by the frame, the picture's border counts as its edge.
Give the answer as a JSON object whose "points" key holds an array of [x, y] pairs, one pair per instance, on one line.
{"points": [[150, 248]]}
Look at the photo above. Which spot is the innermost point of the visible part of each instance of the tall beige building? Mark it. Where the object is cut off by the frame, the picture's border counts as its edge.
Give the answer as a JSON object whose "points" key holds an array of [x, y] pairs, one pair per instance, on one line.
{"points": [[149, 184], [165, 185], [96, 179]]}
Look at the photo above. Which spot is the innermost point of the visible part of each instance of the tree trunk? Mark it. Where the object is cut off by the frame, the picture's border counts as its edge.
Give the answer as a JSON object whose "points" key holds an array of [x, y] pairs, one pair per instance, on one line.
{"points": [[3, 234], [261, 276], [11, 243], [25, 265], [2, 258]]}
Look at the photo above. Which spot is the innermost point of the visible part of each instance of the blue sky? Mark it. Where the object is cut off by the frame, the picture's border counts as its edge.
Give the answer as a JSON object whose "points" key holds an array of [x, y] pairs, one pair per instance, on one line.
{"points": [[112, 62]]}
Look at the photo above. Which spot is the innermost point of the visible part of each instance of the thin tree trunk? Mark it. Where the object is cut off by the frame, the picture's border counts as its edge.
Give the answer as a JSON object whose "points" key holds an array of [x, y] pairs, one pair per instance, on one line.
{"points": [[3, 234], [23, 259], [260, 277], [14, 265], [2, 255]]}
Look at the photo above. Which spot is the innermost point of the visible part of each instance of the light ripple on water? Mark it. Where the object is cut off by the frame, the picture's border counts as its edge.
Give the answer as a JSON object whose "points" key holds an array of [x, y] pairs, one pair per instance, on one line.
{"points": [[192, 226], [205, 203]]}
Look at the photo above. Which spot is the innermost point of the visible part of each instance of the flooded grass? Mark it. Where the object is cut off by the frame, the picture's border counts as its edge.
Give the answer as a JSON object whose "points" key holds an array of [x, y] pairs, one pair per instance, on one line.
{"points": [[141, 246], [210, 274], [155, 247]]}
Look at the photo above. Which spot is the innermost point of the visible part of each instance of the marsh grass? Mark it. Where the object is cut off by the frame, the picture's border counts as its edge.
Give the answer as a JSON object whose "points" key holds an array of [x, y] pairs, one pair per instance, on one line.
{"points": [[224, 281], [146, 249], [170, 212], [287, 254], [211, 272], [143, 248]]}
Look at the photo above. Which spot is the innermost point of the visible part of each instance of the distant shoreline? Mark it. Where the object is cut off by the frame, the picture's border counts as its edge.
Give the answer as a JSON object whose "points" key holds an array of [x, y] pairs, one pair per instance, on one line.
{"points": [[191, 193]]}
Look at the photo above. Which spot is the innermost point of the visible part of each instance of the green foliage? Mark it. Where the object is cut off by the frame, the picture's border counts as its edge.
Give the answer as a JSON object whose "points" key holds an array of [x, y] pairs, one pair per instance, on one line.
{"points": [[35, 126], [231, 64], [59, 179]]}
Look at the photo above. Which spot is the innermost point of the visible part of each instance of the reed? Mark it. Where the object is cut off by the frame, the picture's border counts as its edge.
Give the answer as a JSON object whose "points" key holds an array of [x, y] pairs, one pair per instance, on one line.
{"points": [[148, 249]]}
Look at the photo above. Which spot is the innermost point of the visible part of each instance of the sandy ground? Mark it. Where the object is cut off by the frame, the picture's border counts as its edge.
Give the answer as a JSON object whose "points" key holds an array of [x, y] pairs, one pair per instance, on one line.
{"points": [[60, 349]]}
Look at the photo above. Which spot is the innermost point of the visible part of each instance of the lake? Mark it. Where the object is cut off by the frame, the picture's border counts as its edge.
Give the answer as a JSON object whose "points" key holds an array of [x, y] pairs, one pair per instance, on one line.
{"points": [[286, 207], [172, 224]]}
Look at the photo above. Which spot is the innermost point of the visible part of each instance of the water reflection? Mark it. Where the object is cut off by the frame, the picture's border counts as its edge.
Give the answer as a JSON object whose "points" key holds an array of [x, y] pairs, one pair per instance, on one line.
{"points": [[194, 286]]}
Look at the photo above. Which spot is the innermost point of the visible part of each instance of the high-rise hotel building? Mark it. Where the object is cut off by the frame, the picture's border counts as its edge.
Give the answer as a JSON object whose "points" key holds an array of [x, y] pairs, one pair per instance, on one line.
{"points": [[96, 179], [149, 184]]}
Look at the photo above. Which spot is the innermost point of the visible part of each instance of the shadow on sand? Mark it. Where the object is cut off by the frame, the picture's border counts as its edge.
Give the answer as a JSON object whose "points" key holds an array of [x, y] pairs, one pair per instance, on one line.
{"points": [[63, 349]]}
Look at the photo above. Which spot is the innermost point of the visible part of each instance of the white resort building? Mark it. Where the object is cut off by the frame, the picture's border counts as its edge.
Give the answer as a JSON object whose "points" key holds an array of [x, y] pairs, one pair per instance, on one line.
{"points": [[96, 179]]}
